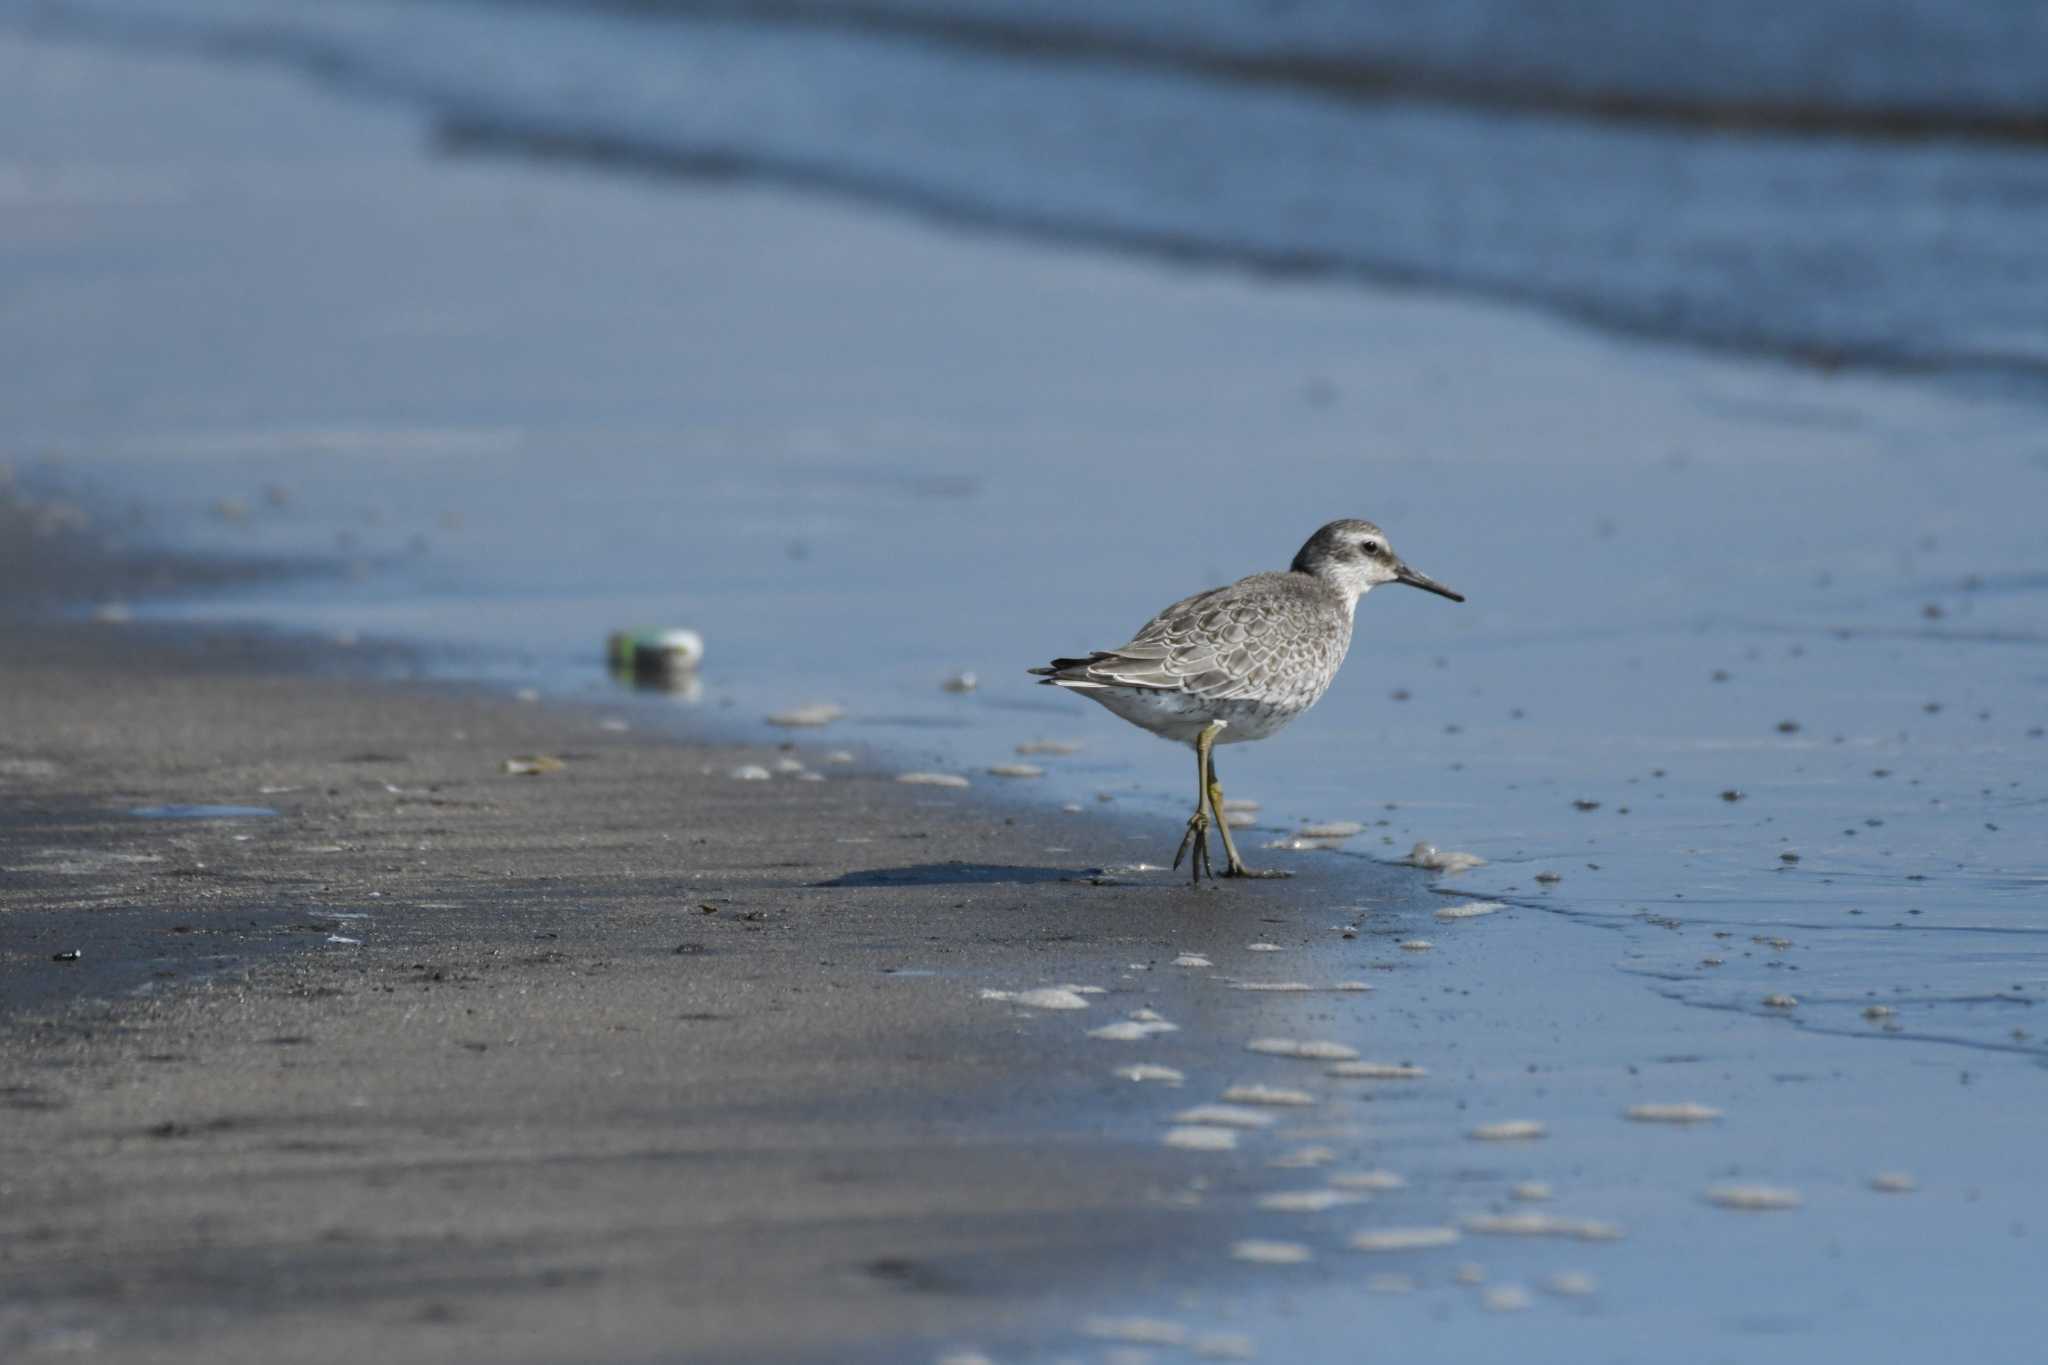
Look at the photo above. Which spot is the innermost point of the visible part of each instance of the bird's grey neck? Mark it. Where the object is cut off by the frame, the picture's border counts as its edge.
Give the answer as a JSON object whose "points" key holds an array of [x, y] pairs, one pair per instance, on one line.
{"points": [[1344, 591]]}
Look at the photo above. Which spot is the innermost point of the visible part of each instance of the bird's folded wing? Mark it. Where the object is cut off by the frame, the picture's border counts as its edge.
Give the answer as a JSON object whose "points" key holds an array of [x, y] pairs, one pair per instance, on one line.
{"points": [[1208, 645]]}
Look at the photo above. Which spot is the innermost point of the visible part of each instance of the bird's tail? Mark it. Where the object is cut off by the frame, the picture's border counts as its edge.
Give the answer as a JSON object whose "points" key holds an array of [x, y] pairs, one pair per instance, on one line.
{"points": [[1069, 672]]}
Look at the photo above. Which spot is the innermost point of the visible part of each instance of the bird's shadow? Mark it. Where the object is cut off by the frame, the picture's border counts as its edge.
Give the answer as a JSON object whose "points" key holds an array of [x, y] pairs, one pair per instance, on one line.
{"points": [[959, 874]]}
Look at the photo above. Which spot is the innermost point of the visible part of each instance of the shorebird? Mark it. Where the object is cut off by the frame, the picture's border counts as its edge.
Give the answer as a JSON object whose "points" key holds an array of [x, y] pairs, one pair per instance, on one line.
{"points": [[1235, 664]]}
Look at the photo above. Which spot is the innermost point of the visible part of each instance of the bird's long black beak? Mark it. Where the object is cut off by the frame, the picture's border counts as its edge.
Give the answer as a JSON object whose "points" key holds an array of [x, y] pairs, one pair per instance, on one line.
{"points": [[1404, 574]]}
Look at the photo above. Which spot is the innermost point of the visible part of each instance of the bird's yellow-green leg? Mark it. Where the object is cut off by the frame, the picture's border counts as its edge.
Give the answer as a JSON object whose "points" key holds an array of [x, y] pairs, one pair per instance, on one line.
{"points": [[1235, 867], [1197, 835]]}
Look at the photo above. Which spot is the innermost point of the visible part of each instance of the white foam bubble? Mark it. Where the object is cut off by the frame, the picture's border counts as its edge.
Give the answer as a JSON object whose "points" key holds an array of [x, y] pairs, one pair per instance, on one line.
{"points": [[1403, 1239], [1506, 1298], [932, 779], [1531, 1191], [817, 713], [1131, 1030], [1044, 998], [1262, 948], [1334, 829], [1781, 1001], [1753, 1198], [1201, 1137], [1377, 1071], [1894, 1182], [1015, 770], [1225, 1115], [1509, 1130], [1571, 1284], [1305, 1201], [1471, 910], [1145, 1071], [1299, 986], [1369, 1180], [1303, 1158], [1267, 1094], [1443, 860], [1415, 945], [1270, 1253], [750, 772], [1192, 960], [1308, 1049], [1685, 1111], [1542, 1225]]}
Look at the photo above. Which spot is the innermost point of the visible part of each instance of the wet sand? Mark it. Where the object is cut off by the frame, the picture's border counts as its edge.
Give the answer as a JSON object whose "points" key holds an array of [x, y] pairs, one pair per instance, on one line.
{"points": [[628, 1060]]}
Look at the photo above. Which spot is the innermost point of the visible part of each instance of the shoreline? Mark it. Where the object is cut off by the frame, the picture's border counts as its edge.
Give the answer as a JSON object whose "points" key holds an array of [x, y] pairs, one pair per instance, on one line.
{"points": [[631, 1058], [59, 553]]}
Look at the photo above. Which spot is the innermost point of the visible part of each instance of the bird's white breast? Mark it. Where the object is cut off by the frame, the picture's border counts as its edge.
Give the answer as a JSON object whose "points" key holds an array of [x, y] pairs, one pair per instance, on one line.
{"points": [[1180, 717]]}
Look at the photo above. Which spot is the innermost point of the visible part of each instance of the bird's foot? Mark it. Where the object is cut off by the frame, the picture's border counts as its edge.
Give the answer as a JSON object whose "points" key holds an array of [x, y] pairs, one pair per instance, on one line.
{"points": [[1197, 838], [1265, 874]]}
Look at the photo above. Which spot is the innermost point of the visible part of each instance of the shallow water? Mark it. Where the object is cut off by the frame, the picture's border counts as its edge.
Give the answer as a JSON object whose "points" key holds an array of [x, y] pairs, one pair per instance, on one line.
{"points": [[860, 455], [1688, 578], [202, 812]]}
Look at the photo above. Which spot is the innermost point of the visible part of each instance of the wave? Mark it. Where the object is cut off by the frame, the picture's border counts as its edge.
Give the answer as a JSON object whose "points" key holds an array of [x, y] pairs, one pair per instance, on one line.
{"points": [[1913, 69], [1919, 255]]}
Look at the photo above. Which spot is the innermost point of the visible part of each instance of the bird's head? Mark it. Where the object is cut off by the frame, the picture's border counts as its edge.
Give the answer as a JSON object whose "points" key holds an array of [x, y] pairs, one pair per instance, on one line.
{"points": [[1354, 558]]}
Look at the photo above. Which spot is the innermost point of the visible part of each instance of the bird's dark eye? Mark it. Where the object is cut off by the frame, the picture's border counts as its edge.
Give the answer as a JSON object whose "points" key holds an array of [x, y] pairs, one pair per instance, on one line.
{"points": [[1369, 548]]}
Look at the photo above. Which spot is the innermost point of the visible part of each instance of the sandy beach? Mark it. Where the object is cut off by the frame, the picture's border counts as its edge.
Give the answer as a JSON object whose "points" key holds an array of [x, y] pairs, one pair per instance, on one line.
{"points": [[337, 440], [625, 1061]]}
